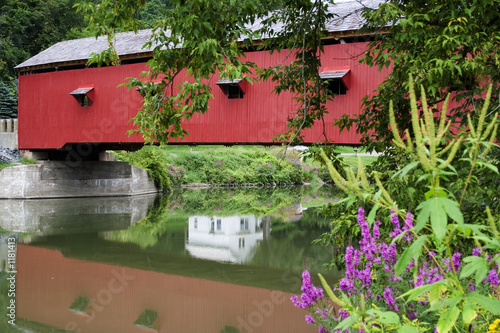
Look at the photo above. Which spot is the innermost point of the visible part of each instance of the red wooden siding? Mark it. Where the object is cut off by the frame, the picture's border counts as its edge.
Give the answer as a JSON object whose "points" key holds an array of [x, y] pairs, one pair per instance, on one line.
{"points": [[49, 117]]}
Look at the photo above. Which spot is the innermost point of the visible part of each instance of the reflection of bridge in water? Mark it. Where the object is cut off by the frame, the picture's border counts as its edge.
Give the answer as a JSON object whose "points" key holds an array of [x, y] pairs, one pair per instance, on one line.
{"points": [[77, 274], [225, 239], [95, 297], [73, 215]]}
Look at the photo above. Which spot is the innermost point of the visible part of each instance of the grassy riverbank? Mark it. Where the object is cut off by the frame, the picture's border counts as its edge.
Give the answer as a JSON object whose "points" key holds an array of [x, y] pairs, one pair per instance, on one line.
{"points": [[180, 165]]}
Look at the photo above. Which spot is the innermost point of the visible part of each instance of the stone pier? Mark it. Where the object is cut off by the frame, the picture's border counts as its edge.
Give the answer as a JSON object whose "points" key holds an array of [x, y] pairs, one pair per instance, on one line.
{"points": [[58, 179], [8, 133]]}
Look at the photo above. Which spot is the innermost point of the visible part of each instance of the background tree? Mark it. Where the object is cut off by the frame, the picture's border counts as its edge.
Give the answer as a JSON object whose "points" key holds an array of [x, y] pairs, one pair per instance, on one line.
{"points": [[8, 99], [26, 28], [447, 45]]}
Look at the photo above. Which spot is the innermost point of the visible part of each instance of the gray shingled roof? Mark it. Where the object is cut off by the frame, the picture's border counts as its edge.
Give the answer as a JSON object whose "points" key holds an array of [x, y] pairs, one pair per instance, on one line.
{"points": [[348, 17]]}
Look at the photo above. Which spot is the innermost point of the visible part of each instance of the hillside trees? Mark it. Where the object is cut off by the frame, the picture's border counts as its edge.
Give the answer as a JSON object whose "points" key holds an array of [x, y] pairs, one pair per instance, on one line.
{"points": [[26, 28], [447, 45]]}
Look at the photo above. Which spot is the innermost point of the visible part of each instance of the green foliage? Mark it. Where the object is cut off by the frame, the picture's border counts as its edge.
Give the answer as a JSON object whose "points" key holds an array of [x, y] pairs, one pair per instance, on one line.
{"points": [[450, 303], [29, 26], [223, 166], [26, 160], [447, 46], [195, 40], [150, 159], [8, 99], [3, 164], [153, 12]]}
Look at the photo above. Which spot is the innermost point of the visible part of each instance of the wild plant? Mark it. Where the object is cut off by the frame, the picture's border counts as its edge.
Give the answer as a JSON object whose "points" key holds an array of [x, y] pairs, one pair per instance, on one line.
{"points": [[413, 279]]}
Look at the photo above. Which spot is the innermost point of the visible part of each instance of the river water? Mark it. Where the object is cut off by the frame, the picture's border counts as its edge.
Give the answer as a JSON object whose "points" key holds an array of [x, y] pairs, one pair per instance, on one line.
{"points": [[206, 260]]}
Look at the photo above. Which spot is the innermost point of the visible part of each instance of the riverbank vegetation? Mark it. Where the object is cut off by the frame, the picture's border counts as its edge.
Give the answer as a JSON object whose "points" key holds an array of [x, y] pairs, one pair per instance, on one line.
{"points": [[230, 166]]}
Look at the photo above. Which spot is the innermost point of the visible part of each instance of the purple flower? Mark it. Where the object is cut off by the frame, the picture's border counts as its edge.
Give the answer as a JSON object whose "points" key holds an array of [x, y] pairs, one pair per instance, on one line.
{"points": [[389, 299], [346, 284], [493, 278], [408, 225], [309, 319], [395, 223], [376, 231], [476, 252], [343, 314], [310, 293], [456, 260]]}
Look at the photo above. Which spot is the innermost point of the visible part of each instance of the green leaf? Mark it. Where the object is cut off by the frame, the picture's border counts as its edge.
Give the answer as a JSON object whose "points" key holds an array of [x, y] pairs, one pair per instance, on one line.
{"points": [[423, 216], [489, 304], [452, 210], [434, 294], [419, 291], [413, 251], [446, 302], [348, 322], [439, 219], [447, 320], [386, 317], [438, 209], [469, 312], [407, 329], [405, 170], [477, 265], [373, 214]]}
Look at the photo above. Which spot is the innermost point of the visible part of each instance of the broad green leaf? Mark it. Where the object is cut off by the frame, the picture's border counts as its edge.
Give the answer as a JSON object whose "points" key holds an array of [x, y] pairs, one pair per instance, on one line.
{"points": [[425, 211], [452, 210], [469, 312], [445, 302], [348, 322], [439, 219], [386, 317], [373, 214], [477, 265], [435, 293], [419, 291], [489, 304], [407, 329], [437, 209], [447, 320], [405, 170], [413, 251]]}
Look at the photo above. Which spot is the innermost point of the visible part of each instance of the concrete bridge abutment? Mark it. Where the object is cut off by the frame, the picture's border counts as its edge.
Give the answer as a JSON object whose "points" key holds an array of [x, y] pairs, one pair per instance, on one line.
{"points": [[59, 179]]}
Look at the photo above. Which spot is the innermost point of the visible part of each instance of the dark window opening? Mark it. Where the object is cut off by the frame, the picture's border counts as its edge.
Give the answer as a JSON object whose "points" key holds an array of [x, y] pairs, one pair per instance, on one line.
{"points": [[81, 96], [234, 92], [336, 87], [335, 81], [231, 88]]}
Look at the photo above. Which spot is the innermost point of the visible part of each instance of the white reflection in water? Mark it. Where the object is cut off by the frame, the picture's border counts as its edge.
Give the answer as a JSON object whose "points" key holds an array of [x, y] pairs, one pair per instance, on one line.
{"points": [[224, 239]]}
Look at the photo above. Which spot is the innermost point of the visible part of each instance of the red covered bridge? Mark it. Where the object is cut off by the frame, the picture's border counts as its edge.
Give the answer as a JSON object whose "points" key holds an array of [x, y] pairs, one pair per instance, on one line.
{"points": [[63, 102]]}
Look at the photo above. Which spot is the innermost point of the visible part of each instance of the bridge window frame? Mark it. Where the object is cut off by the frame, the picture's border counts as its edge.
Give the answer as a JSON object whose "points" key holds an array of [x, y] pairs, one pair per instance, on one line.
{"points": [[231, 88], [337, 80], [82, 96]]}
